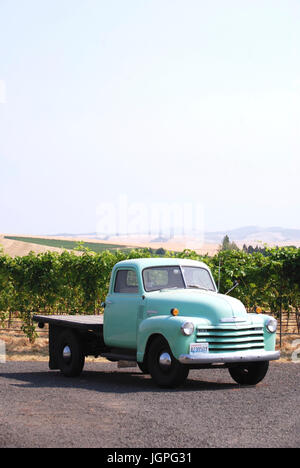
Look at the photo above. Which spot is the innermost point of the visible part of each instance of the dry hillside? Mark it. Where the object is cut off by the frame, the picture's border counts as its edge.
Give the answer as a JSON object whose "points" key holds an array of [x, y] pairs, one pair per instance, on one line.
{"points": [[16, 248]]}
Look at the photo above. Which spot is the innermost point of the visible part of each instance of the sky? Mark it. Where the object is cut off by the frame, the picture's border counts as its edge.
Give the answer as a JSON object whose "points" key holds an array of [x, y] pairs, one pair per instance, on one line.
{"points": [[158, 101]]}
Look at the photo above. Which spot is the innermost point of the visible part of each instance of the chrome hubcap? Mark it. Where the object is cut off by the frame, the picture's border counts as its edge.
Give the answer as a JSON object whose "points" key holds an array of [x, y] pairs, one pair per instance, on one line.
{"points": [[165, 360], [67, 353]]}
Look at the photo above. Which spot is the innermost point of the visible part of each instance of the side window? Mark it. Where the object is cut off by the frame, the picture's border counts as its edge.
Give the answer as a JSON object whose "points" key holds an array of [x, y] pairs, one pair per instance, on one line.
{"points": [[126, 282]]}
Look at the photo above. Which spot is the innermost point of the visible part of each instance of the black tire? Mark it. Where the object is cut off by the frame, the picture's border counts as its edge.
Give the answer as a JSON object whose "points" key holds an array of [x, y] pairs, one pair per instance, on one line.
{"points": [[143, 367], [250, 373], [70, 363], [165, 376]]}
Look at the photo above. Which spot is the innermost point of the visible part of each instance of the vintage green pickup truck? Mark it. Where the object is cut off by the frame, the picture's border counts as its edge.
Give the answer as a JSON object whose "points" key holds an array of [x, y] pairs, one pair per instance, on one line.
{"points": [[166, 316]]}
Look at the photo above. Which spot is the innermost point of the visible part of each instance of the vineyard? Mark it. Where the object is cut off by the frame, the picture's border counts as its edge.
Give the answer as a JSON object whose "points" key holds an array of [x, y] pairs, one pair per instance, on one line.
{"points": [[75, 284]]}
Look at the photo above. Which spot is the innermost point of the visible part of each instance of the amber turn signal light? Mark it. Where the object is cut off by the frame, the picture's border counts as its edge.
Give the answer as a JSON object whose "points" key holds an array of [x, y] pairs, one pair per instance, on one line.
{"points": [[174, 312]]}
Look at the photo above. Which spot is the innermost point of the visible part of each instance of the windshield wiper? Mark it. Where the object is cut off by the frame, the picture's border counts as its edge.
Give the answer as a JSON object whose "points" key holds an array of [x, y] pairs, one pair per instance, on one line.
{"points": [[197, 287]]}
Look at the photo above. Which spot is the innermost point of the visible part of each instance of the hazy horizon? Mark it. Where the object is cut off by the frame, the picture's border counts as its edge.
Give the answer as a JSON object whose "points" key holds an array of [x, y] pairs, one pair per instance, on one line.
{"points": [[166, 102], [239, 234]]}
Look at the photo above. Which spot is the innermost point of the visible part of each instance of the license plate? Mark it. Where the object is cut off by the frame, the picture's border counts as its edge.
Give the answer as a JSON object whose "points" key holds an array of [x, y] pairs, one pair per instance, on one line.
{"points": [[196, 348]]}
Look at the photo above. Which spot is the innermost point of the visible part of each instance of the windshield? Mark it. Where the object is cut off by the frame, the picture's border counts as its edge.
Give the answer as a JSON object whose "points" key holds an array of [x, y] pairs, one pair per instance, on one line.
{"points": [[199, 278], [170, 277]]}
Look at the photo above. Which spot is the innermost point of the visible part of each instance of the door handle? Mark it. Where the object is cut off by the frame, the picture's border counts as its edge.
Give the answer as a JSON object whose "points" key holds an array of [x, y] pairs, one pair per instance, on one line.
{"points": [[109, 302]]}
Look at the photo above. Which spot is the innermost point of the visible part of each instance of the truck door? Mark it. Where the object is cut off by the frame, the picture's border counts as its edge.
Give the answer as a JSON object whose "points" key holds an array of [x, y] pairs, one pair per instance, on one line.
{"points": [[122, 309]]}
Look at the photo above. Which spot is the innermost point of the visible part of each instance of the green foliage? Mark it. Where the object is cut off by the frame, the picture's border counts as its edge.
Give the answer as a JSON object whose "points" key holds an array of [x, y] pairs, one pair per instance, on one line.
{"points": [[75, 284]]}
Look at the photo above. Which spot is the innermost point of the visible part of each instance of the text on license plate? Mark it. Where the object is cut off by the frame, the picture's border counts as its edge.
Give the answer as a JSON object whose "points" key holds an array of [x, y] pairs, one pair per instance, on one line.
{"points": [[196, 348]]}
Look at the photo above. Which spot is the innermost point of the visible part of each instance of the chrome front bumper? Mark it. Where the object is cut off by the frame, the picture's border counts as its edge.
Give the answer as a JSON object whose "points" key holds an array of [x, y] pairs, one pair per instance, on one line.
{"points": [[223, 358]]}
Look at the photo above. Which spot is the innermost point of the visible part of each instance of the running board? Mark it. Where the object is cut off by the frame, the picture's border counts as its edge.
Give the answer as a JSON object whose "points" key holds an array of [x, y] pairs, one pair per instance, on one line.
{"points": [[119, 357]]}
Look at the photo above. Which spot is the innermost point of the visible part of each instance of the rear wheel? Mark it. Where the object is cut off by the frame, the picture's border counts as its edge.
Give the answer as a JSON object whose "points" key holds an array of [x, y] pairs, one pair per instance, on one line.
{"points": [[249, 373], [165, 370], [70, 356]]}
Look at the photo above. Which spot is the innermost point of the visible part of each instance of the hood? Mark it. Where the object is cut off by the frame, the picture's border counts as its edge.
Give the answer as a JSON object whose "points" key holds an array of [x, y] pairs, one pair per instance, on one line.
{"points": [[212, 306]]}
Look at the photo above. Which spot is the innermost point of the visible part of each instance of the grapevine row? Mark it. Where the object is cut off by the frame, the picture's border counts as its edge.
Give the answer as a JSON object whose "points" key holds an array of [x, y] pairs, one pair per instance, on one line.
{"points": [[75, 284]]}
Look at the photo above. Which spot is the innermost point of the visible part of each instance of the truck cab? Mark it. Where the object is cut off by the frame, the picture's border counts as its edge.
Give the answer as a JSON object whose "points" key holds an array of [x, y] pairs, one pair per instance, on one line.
{"points": [[166, 315]]}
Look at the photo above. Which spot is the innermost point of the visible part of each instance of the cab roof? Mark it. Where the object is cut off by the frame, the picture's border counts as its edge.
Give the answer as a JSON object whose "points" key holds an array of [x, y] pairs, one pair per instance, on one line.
{"points": [[141, 263]]}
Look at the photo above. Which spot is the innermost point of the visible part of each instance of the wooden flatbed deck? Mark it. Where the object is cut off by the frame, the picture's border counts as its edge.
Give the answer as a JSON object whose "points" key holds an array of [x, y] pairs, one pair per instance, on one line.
{"points": [[86, 322]]}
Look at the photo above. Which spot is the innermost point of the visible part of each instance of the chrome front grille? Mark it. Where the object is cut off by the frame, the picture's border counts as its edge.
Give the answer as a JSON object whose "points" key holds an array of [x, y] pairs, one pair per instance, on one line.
{"points": [[231, 339]]}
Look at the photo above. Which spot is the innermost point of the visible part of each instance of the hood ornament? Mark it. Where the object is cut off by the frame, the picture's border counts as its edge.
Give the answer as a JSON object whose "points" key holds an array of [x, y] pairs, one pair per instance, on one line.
{"points": [[232, 320]]}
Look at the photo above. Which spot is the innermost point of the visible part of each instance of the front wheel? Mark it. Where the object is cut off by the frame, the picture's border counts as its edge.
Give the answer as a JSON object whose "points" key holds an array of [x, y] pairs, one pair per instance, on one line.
{"points": [[143, 367], [249, 374], [165, 370]]}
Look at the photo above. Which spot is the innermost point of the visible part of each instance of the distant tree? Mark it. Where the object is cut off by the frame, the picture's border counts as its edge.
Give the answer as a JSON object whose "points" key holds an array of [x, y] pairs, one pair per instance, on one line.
{"points": [[227, 245], [250, 249], [160, 251]]}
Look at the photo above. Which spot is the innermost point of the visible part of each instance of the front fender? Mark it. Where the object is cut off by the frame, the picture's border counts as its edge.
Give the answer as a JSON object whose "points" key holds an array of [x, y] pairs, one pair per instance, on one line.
{"points": [[169, 328]]}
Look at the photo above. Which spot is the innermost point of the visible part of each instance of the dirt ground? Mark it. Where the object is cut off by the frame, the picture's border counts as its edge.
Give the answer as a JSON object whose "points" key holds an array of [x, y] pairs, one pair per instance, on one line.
{"points": [[112, 408], [18, 347]]}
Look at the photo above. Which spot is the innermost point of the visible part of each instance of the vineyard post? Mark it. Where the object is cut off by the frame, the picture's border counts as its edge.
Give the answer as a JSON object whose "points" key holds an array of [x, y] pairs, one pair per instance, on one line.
{"points": [[280, 310], [9, 318]]}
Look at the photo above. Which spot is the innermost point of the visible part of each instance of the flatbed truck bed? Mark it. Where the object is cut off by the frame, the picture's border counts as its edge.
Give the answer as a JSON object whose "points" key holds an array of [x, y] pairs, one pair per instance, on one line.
{"points": [[85, 332], [83, 322]]}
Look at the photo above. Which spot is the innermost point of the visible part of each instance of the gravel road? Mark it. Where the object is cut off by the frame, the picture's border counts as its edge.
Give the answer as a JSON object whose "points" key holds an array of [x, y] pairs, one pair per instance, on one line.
{"points": [[116, 408]]}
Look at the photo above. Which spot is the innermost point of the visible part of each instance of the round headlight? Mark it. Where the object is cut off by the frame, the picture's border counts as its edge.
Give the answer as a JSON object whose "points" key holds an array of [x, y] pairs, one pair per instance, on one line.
{"points": [[272, 325], [187, 328]]}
